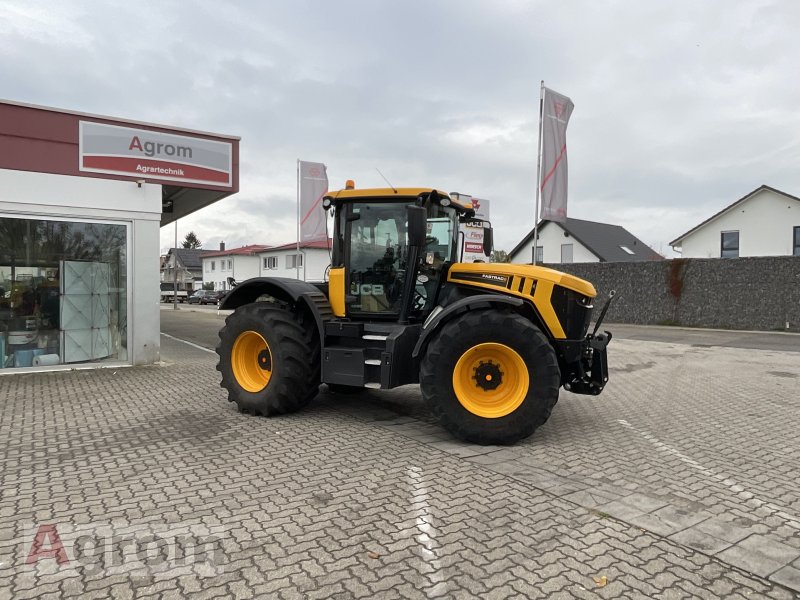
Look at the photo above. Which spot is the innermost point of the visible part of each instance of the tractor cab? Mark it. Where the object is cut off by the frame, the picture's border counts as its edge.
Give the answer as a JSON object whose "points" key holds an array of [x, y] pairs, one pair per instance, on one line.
{"points": [[391, 251]]}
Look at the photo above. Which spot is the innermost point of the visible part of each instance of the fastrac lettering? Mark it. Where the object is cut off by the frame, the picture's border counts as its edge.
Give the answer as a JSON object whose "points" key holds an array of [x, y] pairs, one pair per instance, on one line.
{"points": [[154, 148]]}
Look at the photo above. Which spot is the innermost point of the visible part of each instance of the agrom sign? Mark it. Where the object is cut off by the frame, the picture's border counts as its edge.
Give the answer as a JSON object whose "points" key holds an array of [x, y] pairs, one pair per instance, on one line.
{"points": [[153, 155]]}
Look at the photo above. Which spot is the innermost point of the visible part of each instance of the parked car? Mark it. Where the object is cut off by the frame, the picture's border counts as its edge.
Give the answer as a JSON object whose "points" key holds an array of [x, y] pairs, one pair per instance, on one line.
{"points": [[205, 297]]}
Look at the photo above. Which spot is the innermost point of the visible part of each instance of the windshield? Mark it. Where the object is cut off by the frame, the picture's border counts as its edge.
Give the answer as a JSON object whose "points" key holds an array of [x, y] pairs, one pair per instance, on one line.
{"points": [[379, 254]]}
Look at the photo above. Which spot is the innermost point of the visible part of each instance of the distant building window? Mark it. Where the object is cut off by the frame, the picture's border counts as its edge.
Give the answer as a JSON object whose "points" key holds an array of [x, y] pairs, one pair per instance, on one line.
{"points": [[230, 265], [539, 256], [270, 262], [294, 261], [208, 267], [566, 253], [626, 249], [213, 265], [729, 244], [796, 241]]}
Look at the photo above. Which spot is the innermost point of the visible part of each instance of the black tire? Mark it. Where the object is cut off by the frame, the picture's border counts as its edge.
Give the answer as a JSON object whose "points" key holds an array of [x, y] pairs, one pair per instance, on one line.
{"points": [[463, 334], [293, 346]]}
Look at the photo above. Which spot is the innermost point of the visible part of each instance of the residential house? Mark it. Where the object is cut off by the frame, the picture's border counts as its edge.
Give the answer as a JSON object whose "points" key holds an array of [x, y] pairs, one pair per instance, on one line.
{"points": [[577, 241], [284, 261], [188, 264], [237, 263], [765, 222]]}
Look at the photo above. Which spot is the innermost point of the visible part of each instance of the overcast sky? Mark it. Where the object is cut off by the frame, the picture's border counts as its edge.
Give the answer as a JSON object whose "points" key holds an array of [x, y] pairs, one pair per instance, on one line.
{"points": [[681, 107]]}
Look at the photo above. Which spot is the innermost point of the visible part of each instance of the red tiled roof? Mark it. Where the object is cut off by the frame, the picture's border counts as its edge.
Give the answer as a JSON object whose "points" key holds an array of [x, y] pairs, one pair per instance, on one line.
{"points": [[250, 250], [322, 244]]}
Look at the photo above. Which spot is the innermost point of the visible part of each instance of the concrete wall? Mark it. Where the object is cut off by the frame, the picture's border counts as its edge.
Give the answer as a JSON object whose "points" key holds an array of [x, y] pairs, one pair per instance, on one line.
{"points": [[741, 293], [765, 224], [551, 237]]}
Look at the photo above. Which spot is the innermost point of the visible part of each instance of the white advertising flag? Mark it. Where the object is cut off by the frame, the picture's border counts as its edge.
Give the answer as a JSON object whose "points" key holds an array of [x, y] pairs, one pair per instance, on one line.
{"points": [[313, 186], [556, 111]]}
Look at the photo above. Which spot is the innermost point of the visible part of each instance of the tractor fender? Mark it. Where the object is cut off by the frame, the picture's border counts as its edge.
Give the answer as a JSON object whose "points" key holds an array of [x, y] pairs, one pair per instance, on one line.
{"points": [[284, 289], [460, 306]]}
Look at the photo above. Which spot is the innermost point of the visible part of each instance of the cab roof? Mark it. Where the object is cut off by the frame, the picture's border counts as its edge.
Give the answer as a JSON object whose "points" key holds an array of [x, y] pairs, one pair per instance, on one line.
{"points": [[391, 194]]}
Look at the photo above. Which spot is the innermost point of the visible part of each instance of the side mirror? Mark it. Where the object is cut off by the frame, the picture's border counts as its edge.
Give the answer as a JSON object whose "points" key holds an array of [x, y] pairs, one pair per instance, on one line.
{"points": [[417, 225], [488, 241]]}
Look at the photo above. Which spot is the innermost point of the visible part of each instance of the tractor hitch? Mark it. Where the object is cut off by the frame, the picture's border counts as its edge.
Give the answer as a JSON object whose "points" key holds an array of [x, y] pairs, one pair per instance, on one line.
{"points": [[589, 374]]}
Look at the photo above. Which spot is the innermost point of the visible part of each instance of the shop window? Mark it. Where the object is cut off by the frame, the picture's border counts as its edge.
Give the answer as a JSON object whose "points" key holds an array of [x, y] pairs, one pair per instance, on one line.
{"points": [[63, 292], [729, 244]]}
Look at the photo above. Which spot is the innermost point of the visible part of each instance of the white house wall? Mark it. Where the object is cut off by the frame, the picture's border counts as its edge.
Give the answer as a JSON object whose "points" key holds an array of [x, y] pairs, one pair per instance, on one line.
{"points": [[316, 260], [551, 237], [242, 268], [765, 224]]}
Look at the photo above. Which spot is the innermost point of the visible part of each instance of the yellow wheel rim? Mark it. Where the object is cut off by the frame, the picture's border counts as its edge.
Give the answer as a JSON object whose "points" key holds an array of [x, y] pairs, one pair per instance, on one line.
{"points": [[490, 380], [251, 361]]}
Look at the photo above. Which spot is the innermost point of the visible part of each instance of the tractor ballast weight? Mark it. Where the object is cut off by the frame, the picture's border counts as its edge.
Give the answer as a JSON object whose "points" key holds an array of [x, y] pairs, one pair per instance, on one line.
{"points": [[489, 343]]}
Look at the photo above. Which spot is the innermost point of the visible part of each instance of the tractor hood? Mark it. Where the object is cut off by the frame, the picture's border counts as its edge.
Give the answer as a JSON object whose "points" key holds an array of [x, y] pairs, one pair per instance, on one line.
{"points": [[503, 274]]}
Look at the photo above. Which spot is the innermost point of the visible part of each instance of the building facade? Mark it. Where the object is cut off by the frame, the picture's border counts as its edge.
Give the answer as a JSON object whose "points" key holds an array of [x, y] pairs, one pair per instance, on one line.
{"points": [[310, 264], [82, 200], [765, 222], [221, 266], [184, 265], [580, 241]]}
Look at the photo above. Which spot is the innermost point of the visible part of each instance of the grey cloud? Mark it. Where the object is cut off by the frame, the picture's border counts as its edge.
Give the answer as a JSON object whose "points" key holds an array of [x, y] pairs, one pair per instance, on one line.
{"points": [[681, 107]]}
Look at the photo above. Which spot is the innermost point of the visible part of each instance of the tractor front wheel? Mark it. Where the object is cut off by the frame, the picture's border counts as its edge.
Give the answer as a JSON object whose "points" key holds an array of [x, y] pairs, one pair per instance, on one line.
{"points": [[268, 361], [490, 377]]}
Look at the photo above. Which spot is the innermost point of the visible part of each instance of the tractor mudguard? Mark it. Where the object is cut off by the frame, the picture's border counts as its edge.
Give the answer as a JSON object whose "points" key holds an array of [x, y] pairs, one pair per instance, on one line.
{"points": [[468, 303], [287, 290]]}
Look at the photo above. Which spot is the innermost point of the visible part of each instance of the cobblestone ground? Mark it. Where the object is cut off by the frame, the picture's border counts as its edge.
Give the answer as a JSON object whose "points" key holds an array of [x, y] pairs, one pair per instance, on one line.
{"points": [[363, 497]]}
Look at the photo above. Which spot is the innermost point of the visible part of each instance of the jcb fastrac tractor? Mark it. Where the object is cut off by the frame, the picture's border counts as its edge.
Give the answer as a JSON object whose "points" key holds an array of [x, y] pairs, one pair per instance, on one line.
{"points": [[489, 343]]}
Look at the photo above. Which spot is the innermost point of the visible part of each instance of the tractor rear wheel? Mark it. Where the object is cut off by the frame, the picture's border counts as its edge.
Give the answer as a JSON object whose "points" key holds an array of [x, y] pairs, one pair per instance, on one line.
{"points": [[490, 377], [269, 360]]}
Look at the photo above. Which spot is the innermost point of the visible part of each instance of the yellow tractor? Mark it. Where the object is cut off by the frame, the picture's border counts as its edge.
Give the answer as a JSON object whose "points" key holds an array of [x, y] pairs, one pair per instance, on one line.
{"points": [[489, 343]]}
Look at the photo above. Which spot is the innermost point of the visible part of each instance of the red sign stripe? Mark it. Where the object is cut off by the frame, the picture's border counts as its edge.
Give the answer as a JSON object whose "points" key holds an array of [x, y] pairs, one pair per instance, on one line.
{"points": [[155, 169]]}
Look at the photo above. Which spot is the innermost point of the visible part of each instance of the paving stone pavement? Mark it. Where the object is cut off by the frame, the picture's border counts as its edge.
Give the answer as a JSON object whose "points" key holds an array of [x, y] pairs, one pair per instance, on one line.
{"points": [[638, 494]]}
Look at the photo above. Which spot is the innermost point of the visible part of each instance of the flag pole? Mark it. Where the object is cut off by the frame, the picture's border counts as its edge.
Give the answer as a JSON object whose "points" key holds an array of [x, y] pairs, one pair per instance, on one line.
{"points": [[296, 262], [538, 173]]}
